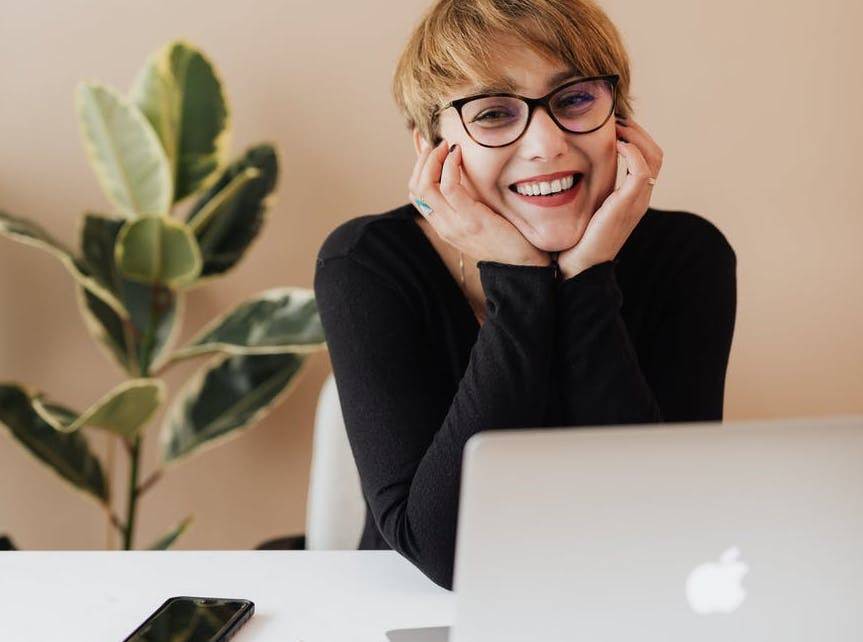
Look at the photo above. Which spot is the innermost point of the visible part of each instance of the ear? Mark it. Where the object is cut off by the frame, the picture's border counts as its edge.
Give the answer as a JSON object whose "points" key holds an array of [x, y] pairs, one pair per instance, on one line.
{"points": [[419, 141]]}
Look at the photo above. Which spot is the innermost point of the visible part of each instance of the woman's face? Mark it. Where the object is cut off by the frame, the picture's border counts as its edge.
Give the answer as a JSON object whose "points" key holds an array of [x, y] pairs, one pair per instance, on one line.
{"points": [[542, 149]]}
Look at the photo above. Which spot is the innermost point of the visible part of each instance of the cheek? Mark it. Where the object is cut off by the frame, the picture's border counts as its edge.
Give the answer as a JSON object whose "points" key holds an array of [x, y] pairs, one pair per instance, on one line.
{"points": [[605, 163], [481, 176]]}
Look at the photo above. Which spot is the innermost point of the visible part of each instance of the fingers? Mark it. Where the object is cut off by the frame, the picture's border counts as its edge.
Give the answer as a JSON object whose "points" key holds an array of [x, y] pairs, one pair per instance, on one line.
{"points": [[441, 185], [450, 172], [431, 171], [413, 183], [632, 132], [428, 183], [451, 187], [635, 162], [417, 195], [639, 167], [635, 182], [422, 185], [426, 148]]}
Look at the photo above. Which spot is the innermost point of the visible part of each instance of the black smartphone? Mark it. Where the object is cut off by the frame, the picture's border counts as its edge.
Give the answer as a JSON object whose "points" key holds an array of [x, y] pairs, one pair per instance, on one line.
{"points": [[194, 619]]}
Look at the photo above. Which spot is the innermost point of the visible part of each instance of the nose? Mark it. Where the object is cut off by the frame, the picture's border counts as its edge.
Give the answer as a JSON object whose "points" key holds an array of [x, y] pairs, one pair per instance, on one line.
{"points": [[543, 138]]}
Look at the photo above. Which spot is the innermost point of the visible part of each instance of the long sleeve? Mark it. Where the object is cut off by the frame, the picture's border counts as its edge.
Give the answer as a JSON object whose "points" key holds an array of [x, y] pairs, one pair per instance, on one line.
{"points": [[682, 378], [391, 390]]}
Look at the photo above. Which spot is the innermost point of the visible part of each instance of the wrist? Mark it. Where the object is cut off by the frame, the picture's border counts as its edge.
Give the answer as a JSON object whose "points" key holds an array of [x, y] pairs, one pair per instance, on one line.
{"points": [[596, 268], [570, 269], [531, 261], [537, 259]]}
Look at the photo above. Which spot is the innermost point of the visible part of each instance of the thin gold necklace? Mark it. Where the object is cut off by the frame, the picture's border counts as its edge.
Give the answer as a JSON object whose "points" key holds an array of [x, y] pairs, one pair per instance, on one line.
{"points": [[481, 314]]}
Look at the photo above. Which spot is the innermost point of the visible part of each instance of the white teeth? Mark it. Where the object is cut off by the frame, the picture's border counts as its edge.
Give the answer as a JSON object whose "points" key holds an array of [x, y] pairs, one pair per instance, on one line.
{"points": [[545, 187]]}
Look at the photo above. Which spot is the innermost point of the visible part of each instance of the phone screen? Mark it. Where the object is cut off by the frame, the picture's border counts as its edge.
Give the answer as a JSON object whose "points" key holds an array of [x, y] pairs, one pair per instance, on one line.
{"points": [[193, 619]]}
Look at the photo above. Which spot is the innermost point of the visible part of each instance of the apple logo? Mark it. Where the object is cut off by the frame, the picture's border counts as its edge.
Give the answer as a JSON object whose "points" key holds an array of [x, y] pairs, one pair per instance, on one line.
{"points": [[715, 588]]}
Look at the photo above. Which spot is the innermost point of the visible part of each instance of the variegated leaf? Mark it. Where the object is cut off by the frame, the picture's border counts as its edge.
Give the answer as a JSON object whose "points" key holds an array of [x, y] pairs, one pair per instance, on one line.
{"points": [[277, 320], [123, 411], [229, 215], [155, 311], [180, 93], [227, 394], [124, 151], [67, 454]]}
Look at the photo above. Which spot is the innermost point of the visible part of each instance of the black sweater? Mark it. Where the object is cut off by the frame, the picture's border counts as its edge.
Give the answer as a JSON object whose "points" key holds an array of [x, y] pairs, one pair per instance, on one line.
{"points": [[644, 338]]}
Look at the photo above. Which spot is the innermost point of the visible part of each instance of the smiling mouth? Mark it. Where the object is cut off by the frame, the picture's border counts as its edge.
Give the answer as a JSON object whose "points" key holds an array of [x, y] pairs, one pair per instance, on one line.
{"points": [[577, 179]]}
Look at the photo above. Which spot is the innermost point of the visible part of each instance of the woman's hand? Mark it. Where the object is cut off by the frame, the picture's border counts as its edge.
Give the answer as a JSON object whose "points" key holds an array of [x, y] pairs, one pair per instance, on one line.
{"points": [[466, 223], [613, 222]]}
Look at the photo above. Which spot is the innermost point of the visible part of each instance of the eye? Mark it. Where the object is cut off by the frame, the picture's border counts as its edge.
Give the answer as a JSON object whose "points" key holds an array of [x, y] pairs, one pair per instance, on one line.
{"points": [[575, 99], [487, 115], [495, 117]]}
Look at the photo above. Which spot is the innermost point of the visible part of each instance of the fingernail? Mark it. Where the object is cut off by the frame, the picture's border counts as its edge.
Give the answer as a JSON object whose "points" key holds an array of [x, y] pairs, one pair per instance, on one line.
{"points": [[451, 147]]}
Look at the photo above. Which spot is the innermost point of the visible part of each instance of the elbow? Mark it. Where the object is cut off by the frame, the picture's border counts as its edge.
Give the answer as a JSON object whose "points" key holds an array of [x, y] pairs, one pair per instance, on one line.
{"points": [[437, 565], [439, 571], [442, 576], [433, 555]]}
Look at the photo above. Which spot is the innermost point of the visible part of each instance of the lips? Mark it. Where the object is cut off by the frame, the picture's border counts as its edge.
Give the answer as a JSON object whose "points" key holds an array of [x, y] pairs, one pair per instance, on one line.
{"points": [[547, 178], [558, 199]]}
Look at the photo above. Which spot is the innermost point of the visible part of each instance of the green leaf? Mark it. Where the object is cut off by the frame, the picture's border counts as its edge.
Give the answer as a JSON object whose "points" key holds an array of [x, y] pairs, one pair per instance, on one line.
{"points": [[30, 233], [275, 321], [165, 542], [229, 393], [181, 96], [156, 249], [222, 200], [68, 454], [230, 214], [108, 330], [123, 411], [154, 311], [124, 151]]}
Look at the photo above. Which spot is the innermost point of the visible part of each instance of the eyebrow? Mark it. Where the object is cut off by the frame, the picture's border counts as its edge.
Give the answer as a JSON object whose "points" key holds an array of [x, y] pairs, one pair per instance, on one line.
{"points": [[509, 85]]}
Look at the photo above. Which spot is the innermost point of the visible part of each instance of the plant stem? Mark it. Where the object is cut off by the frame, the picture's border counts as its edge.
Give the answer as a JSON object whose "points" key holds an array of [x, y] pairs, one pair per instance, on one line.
{"points": [[135, 446], [131, 505], [152, 479], [109, 469], [115, 522], [161, 370]]}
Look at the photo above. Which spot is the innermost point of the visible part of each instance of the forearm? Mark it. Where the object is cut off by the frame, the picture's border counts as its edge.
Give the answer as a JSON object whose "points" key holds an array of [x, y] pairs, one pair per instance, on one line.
{"points": [[409, 456], [506, 385], [599, 379]]}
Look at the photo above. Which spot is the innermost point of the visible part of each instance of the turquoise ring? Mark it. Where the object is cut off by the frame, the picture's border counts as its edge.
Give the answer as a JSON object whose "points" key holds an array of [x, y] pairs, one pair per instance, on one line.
{"points": [[424, 208]]}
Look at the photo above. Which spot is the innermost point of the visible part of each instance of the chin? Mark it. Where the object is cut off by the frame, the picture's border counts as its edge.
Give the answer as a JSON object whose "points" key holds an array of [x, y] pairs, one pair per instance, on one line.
{"points": [[556, 246], [554, 238]]}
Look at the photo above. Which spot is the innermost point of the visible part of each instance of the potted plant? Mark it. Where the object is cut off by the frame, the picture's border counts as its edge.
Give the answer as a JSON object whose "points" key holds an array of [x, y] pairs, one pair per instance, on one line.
{"points": [[164, 143]]}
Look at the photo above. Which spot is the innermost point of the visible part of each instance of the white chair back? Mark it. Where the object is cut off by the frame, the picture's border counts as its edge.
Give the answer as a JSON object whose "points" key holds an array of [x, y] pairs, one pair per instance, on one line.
{"points": [[336, 510]]}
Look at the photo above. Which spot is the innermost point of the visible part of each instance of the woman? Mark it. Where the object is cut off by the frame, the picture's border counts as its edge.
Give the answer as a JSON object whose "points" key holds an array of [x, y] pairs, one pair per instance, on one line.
{"points": [[480, 305]]}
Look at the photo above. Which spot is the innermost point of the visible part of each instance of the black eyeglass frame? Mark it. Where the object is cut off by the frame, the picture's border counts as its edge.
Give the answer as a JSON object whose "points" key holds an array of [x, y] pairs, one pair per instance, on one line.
{"points": [[532, 104]]}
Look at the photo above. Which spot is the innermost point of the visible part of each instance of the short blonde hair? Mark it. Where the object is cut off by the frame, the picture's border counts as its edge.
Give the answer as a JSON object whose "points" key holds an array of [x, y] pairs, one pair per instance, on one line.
{"points": [[453, 43]]}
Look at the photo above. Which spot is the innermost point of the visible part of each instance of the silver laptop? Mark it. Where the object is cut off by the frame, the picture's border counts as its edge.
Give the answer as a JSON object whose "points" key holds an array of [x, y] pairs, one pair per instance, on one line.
{"points": [[742, 530]]}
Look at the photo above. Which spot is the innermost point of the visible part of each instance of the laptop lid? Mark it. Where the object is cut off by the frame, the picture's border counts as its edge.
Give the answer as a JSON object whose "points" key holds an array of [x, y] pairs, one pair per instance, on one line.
{"points": [[745, 530]]}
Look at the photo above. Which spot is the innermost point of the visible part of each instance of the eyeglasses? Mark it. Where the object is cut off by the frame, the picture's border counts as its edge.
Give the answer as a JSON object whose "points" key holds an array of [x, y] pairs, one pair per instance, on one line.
{"points": [[579, 106]]}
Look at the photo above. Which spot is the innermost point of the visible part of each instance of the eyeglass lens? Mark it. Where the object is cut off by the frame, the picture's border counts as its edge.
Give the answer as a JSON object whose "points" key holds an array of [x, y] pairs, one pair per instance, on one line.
{"points": [[499, 120]]}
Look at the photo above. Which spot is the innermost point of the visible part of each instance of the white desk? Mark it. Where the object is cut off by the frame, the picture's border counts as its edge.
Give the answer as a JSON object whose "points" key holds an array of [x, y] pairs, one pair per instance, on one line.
{"points": [[299, 596]]}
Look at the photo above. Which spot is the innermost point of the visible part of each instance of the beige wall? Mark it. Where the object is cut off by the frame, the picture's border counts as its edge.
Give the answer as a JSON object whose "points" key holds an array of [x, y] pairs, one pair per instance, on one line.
{"points": [[756, 104]]}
